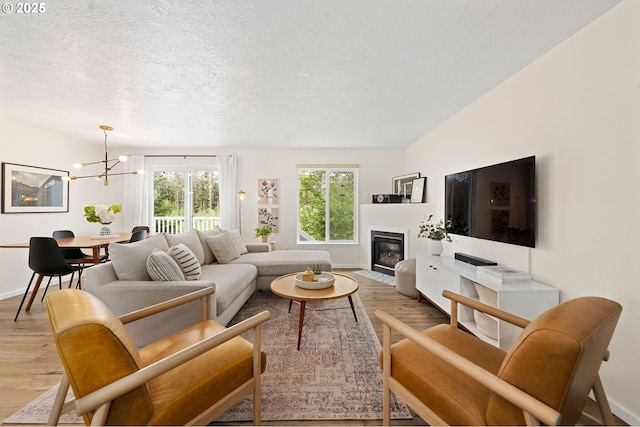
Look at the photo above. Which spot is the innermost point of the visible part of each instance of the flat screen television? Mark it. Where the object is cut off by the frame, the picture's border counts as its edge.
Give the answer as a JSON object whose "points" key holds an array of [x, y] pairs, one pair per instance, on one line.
{"points": [[494, 202]]}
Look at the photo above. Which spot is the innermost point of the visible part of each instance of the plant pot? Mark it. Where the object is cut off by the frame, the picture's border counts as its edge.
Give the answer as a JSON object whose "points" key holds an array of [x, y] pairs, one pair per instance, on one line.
{"points": [[264, 239], [435, 247], [105, 231]]}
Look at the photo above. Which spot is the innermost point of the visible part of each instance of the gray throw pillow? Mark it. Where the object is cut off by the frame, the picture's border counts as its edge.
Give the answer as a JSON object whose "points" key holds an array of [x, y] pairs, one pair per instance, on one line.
{"points": [[163, 268], [186, 260], [130, 259]]}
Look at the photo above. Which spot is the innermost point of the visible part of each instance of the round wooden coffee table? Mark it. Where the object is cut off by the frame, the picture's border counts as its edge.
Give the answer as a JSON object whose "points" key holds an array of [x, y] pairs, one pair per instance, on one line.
{"points": [[285, 287]]}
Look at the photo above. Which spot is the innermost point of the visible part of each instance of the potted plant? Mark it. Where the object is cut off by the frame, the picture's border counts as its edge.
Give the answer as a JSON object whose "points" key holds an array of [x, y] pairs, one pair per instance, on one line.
{"points": [[102, 214], [436, 233], [264, 232]]}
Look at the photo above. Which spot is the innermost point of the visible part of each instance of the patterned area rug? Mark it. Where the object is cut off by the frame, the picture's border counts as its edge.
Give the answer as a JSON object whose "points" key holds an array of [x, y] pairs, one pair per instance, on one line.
{"points": [[377, 276], [335, 375]]}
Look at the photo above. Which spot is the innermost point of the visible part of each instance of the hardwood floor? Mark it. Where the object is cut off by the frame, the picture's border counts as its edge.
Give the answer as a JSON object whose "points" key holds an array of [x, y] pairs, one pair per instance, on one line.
{"points": [[29, 364]]}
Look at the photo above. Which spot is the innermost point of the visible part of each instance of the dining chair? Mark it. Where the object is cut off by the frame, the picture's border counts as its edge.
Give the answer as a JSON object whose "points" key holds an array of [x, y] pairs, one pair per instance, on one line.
{"points": [[72, 256], [138, 235], [140, 227], [46, 260]]}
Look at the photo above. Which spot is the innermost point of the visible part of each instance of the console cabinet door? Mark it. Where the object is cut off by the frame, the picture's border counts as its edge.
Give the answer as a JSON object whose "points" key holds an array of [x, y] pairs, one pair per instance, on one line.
{"points": [[432, 278]]}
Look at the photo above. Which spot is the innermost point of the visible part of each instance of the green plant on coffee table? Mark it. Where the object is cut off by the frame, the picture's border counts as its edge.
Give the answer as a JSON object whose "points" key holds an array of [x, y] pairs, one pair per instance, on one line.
{"points": [[265, 230], [316, 268], [436, 231]]}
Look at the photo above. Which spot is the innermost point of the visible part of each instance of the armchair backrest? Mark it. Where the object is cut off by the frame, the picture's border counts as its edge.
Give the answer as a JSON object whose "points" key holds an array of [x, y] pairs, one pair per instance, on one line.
{"points": [[85, 332], [557, 357]]}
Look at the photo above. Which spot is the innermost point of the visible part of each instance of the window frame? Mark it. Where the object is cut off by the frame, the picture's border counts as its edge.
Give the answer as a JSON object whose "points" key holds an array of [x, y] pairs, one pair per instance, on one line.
{"points": [[328, 169]]}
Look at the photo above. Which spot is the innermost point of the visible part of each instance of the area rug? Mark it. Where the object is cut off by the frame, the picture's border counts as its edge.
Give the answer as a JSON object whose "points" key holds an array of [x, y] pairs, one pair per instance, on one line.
{"points": [[377, 276], [335, 375]]}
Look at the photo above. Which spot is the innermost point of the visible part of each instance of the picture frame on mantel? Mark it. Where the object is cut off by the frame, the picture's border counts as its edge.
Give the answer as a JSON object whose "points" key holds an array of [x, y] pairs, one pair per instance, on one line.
{"points": [[32, 189], [402, 184], [417, 190]]}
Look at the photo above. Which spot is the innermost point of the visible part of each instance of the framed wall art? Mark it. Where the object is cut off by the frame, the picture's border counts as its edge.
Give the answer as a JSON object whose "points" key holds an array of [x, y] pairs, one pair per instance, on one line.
{"points": [[269, 216], [268, 191], [32, 189], [402, 184], [417, 190]]}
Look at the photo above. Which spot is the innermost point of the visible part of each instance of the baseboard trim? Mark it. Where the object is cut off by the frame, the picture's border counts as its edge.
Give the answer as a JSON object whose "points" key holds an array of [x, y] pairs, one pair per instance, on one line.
{"points": [[624, 414]]}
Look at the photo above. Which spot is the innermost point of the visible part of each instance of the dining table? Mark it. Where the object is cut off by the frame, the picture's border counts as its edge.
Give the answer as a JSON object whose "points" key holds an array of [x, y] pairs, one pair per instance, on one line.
{"points": [[89, 242]]}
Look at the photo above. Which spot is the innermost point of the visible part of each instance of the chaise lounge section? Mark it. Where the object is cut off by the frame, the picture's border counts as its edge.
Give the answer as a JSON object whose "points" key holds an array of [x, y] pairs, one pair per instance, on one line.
{"points": [[125, 284]]}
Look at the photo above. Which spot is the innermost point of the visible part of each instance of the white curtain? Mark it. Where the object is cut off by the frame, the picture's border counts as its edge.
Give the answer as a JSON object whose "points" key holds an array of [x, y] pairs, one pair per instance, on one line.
{"points": [[227, 183], [132, 199]]}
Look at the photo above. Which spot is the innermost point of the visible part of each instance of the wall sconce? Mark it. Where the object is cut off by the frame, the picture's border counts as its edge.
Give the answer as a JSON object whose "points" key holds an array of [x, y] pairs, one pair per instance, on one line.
{"points": [[106, 163]]}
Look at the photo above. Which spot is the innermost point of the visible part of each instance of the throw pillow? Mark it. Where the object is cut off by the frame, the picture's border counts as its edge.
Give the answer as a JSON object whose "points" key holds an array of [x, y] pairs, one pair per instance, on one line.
{"points": [[191, 240], [130, 259], [162, 267], [187, 261], [223, 247], [209, 257], [237, 239]]}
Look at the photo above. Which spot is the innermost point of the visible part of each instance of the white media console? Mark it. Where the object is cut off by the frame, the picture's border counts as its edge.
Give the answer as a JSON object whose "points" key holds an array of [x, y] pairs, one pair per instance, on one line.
{"points": [[527, 299]]}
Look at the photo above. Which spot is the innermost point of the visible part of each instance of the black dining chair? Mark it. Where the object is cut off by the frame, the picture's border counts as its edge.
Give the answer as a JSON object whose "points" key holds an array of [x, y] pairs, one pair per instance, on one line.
{"points": [[137, 236], [46, 260], [140, 227]]}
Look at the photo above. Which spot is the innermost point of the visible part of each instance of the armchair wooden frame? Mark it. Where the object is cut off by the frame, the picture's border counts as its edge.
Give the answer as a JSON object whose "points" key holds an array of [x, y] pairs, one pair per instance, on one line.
{"points": [[535, 411], [99, 400]]}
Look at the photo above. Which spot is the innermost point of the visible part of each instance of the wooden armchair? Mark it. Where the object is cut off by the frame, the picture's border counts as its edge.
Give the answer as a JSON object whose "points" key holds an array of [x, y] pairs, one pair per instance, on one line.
{"points": [[190, 377], [449, 376]]}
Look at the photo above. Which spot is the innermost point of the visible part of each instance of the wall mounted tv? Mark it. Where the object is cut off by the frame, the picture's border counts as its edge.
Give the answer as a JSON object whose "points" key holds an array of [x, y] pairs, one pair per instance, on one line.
{"points": [[495, 202]]}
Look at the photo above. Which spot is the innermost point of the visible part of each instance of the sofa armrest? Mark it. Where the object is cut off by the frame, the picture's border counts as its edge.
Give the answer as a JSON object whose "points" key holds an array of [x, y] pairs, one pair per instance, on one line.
{"points": [[257, 247]]}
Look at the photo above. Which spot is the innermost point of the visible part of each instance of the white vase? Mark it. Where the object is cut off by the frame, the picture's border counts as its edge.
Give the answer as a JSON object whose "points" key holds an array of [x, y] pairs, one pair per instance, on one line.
{"points": [[105, 231], [435, 247]]}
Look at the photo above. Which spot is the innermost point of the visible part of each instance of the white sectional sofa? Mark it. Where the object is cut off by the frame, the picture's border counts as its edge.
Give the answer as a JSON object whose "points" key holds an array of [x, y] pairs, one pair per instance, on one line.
{"points": [[125, 284]]}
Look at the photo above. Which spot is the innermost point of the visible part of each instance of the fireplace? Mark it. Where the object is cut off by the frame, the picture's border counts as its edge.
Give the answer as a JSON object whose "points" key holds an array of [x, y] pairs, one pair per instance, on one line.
{"points": [[388, 247]]}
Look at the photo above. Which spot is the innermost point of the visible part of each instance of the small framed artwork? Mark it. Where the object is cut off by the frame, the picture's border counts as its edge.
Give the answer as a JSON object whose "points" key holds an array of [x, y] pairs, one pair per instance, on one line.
{"points": [[417, 190], [269, 216], [268, 191], [402, 184], [32, 189]]}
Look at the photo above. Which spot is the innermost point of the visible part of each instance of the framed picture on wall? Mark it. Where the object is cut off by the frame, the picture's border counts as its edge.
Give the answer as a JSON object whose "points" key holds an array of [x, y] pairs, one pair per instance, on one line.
{"points": [[402, 184], [417, 190], [269, 216], [32, 189], [268, 191]]}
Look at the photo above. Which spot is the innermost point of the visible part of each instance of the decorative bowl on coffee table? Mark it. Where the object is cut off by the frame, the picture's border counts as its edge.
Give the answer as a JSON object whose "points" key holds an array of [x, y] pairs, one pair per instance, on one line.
{"points": [[320, 281]]}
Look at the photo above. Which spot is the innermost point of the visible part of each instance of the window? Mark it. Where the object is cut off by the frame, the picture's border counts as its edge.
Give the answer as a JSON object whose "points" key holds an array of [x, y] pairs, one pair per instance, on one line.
{"points": [[327, 205], [184, 199]]}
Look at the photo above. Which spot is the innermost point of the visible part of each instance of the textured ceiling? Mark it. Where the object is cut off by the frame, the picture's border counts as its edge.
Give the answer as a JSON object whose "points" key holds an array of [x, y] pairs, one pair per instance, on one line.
{"points": [[269, 73]]}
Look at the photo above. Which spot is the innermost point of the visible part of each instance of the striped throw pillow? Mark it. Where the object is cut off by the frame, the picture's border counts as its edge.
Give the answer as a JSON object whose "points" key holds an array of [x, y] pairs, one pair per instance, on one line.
{"points": [[187, 261], [162, 267]]}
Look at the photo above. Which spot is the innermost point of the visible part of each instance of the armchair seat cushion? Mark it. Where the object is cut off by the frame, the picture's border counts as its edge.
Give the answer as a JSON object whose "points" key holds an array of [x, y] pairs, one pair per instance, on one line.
{"points": [[455, 397], [189, 389]]}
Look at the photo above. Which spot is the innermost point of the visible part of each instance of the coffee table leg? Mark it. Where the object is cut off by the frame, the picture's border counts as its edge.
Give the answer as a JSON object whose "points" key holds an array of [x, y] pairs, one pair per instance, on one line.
{"points": [[301, 321], [353, 309], [290, 303]]}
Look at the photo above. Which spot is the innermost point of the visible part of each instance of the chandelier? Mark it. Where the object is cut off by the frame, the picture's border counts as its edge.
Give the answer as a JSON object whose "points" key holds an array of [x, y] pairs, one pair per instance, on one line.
{"points": [[107, 163]]}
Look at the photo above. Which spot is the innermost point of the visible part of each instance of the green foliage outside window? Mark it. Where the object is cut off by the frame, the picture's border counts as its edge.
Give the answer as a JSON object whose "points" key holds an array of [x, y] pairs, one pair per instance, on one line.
{"points": [[314, 223]]}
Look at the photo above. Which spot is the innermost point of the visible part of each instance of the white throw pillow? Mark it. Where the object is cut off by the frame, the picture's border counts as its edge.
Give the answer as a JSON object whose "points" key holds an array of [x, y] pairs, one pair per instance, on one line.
{"points": [[223, 247], [187, 261], [237, 239], [130, 259], [209, 257], [191, 240], [163, 268]]}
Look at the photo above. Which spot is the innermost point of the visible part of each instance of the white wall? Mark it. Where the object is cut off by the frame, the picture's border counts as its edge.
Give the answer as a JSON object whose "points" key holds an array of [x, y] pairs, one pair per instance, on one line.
{"points": [[28, 145], [577, 109]]}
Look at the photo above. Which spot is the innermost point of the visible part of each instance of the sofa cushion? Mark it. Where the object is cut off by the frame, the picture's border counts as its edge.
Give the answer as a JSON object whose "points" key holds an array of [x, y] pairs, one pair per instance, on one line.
{"points": [[162, 267], [223, 247], [130, 259], [237, 239], [187, 261], [209, 257], [277, 263], [231, 281], [191, 240]]}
